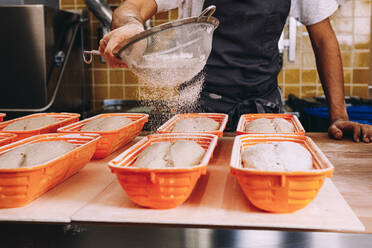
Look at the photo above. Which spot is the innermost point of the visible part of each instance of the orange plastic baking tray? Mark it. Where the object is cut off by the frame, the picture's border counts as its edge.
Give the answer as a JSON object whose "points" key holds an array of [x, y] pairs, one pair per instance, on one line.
{"points": [[2, 117], [6, 138], [111, 140], [166, 187], [244, 119], [19, 186], [65, 119], [220, 118], [280, 192]]}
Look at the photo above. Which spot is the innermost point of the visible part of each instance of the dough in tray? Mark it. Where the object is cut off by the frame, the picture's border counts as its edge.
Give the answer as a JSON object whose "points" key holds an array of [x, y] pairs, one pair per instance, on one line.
{"points": [[31, 123], [182, 153], [277, 156], [34, 154], [264, 125], [153, 156], [109, 123], [196, 125]]}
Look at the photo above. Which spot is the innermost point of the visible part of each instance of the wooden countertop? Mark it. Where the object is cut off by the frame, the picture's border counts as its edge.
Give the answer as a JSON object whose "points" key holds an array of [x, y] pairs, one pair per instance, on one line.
{"points": [[78, 198], [353, 173]]}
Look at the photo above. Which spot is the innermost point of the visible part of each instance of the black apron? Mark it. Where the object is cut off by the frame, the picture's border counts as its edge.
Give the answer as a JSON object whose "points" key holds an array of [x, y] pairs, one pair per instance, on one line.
{"points": [[241, 72]]}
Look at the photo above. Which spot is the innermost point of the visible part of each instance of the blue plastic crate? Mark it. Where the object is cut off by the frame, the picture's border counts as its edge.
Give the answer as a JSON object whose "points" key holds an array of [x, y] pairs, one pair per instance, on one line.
{"points": [[361, 114]]}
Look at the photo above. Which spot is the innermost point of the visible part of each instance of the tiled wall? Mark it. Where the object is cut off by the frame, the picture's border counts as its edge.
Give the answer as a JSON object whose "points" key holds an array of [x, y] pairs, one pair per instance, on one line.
{"points": [[351, 24]]}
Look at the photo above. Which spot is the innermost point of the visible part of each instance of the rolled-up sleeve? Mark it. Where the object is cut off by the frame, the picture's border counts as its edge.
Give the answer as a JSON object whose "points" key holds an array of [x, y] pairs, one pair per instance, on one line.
{"points": [[165, 5], [309, 12]]}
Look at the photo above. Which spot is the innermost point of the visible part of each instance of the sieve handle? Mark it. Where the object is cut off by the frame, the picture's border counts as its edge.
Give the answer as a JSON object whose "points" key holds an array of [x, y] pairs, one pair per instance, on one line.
{"points": [[88, 56], [208, 12]]}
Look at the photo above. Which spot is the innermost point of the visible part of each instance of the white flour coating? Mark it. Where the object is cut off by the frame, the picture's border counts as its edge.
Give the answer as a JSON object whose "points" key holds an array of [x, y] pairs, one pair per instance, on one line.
{"points": [[196, 125], [264, 125], [34, 154], [153, 156], [108, 123], [277, 156], [182, 153], [169, 69], [31, 123]]}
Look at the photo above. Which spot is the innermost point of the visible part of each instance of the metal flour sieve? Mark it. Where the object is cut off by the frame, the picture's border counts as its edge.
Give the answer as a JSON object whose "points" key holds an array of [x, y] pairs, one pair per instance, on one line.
{"points": [[171, 53]]}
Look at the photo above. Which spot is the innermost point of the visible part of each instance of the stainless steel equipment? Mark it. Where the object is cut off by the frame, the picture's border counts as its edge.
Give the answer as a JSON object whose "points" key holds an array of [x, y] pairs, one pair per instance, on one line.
{"points": [[41, 66]]}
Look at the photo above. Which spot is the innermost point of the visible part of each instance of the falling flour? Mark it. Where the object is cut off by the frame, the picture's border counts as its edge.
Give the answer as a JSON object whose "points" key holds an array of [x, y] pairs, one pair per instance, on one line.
{"points": [[166, 101]]}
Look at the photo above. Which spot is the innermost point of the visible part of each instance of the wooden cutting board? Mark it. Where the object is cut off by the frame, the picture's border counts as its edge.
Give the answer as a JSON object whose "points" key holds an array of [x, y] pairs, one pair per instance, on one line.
{"points": [[217, 201], [61, 202]]}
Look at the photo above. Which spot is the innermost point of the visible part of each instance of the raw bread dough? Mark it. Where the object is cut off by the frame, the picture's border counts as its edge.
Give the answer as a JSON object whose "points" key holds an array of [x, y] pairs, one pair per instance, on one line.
{"points": [[153, 156], [264, 125], [109, 123], [31, 123], [34, 154], [185, 153], [182, 153], [196, 125], [277, 156]]}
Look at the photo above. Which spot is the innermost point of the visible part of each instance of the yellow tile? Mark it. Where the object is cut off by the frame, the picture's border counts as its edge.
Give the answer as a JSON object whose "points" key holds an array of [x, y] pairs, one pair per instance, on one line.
{"points": [[67, 2], [308, 91], [297, 63], [345, 42], [361, 59], [319, 91], [360, 76], [362, 25], [174, 14], [131, 93], [130, 77], [361, 91], [100, 92], [82, 7], [162, 16], [289, 89], [347, 90], [100, 77], [345, 10], [158, 22], [306, 44], [347, 76], [116, 92], [292, 76], [362, 41], [97, 63], [308, 60], [342, 25], [116, 77], [346, 59], [362, 8], [280, 77], [309, 76]]}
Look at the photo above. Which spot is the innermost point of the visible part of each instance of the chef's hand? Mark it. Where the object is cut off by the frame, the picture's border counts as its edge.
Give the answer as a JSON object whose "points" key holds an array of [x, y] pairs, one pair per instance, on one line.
{"points": [[360, 132], [115, 37]]}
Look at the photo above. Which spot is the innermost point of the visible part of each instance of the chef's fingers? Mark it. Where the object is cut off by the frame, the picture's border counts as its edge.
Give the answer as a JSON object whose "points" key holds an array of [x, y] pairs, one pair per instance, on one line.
{"points": [[335, 132], [367, 133], [356, 132], [364, 133], [109, 56]]}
